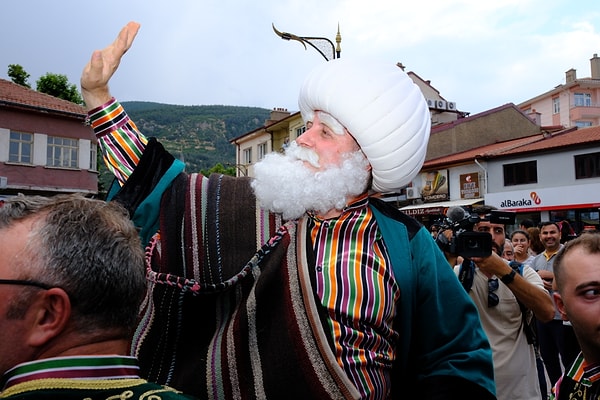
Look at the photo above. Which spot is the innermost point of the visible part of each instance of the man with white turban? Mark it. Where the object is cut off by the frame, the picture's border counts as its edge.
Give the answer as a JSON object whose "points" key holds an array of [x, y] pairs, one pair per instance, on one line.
{"points": [[297, 283]]}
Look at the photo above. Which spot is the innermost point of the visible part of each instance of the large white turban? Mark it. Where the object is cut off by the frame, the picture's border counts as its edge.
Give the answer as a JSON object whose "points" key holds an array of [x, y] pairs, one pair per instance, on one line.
{"points": [[381, 107]]}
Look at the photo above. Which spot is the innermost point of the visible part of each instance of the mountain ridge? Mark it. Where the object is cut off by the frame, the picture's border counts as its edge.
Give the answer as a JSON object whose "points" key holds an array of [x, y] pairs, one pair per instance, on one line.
{"points": [[197, 135]]}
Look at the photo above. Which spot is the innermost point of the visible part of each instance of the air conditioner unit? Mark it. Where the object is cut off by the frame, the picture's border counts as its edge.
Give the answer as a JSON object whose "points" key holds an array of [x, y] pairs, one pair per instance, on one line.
{"points": [[451, 106], [431, 103], [440, 104], [413, 193]]}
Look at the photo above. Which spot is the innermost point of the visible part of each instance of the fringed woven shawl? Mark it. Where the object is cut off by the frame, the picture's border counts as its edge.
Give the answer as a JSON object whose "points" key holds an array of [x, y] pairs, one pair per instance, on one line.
{"points": [[227, 317], [221, 320]]}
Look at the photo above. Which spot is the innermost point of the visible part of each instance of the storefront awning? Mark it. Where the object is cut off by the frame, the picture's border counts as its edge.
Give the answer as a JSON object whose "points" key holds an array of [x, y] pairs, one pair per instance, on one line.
{"points": [[438, 208]]}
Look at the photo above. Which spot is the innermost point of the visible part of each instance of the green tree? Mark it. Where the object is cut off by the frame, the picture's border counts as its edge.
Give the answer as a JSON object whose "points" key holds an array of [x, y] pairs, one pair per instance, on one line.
{"points": [[58, 86], [219, 169], [18, 75]]}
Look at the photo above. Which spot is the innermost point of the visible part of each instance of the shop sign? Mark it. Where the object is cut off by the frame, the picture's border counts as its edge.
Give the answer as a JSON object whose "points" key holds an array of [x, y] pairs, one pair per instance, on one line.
{"points": [[469, 185], [572, 196], [435, 186]]}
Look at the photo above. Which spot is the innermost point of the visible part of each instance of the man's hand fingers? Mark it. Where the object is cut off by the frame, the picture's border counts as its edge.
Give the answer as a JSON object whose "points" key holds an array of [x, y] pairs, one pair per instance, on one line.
{"points": [[102, 66], [126, 37]]}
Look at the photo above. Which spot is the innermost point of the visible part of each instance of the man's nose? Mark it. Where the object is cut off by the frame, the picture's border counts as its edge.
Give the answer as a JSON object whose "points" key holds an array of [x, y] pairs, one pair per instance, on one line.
{"points": [[306, 139]]}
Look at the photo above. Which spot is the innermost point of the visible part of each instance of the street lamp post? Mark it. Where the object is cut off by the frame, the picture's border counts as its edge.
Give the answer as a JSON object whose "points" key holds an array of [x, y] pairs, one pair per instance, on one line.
{"points": [[324, 46]]}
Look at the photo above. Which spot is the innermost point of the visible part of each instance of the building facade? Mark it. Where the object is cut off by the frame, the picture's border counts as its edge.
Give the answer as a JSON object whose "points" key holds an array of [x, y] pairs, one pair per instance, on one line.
{"points": [[574, 103], [552, 176], [45, 146]]}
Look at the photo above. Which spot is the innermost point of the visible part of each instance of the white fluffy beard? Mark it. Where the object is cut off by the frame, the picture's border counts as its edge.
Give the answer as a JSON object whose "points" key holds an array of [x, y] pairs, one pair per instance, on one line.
{"points": [[283, 184]]}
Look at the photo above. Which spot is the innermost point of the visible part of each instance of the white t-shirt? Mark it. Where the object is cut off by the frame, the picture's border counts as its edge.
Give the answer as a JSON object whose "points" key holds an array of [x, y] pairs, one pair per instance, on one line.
{"points": [[515, 367]]}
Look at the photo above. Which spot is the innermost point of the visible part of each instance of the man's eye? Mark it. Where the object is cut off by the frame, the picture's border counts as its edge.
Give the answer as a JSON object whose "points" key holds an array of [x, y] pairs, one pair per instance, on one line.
{"points": [[591, 293]]}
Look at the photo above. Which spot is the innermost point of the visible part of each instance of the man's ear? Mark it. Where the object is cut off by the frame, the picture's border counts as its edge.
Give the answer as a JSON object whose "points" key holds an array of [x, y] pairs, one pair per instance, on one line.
{"points": [[560, 305], [51, 315]]}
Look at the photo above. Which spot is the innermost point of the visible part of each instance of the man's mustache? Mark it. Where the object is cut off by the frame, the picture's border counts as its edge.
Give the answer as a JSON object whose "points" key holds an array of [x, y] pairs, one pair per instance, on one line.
{"points": [[303, 154]]}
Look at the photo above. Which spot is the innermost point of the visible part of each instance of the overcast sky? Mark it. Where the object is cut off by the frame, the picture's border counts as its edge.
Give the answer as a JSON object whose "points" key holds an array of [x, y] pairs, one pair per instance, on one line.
{"points": [[480, 54]]}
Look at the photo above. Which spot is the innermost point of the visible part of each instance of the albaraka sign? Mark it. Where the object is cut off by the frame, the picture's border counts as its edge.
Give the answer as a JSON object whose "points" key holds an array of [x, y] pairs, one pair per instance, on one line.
{"points": [[572, 196]]}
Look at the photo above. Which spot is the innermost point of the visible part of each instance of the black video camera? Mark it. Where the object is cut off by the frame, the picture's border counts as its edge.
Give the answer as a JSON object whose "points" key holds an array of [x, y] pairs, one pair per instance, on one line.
{"points": [[464, 241]]}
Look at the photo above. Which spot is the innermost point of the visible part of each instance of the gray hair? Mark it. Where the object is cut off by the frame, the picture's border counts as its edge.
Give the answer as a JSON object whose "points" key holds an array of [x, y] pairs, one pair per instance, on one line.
{"points": [[90, 249]]}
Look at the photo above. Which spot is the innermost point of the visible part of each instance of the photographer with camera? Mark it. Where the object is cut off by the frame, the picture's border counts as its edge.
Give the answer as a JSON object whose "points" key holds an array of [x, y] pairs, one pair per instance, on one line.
{"points": [[500, 290]]}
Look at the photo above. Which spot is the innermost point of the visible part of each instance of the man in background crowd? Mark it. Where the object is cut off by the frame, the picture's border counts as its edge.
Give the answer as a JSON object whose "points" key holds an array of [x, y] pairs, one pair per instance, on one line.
{"points": [[577, 297], [558, 344]]}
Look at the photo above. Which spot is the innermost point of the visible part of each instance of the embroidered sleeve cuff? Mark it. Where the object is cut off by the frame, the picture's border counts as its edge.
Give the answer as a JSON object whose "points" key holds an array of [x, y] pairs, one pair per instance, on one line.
{"points": [[109, 117], [103, 106]]}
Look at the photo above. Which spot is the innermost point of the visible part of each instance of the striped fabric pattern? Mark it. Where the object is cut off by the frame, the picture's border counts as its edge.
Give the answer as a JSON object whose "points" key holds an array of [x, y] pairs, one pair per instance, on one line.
{"points": [[244, 346], [77, 367], [355, 285], [219, 335], [122, 143], [580, 381]]}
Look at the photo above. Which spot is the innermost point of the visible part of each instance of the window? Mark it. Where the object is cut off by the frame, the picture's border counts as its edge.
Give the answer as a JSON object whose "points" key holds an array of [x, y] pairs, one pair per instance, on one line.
{"points": [[583, 100], [94, 157], [587, 166], [300, 131], [62, 152], [555, 105], [520, 173], [20, 147], [583, 124], [248, 156], [262, 150]]}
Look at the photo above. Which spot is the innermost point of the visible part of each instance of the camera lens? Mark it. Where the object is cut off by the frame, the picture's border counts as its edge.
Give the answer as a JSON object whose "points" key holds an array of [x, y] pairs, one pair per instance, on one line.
{"points": [[472, 243]]}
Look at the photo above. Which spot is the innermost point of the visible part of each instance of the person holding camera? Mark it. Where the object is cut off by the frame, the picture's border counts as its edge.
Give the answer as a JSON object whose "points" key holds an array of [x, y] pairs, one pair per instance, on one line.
{"points": [[501, 290]]}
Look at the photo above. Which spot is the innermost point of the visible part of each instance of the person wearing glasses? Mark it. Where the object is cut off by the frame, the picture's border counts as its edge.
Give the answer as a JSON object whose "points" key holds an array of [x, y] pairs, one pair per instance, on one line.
{"points": [[497, 288], [72, 279], [508, 252]]}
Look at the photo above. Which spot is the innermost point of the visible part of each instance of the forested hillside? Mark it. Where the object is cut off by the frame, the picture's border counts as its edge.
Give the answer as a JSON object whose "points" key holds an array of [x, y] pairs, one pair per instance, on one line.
{"points": [[198, 135]]}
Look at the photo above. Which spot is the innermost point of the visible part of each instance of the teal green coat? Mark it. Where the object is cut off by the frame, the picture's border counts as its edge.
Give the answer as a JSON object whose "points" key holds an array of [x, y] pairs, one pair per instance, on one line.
{"points": [[442, 352]]}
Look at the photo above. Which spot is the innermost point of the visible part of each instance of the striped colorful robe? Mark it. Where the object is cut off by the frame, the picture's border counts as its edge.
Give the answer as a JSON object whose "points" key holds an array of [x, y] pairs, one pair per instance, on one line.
{"points": [[223, 321]]}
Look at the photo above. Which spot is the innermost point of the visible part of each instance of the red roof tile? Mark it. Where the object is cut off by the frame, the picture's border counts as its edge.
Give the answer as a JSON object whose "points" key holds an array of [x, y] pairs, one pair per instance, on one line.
{"points": [[565, 138], [530, 144], [15, 95]]}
